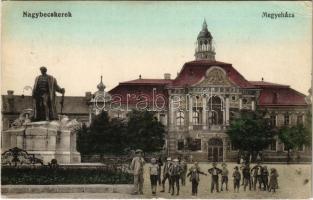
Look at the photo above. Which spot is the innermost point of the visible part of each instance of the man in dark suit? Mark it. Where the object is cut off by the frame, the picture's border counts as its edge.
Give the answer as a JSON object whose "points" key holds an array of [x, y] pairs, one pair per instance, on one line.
{"points": [[214, 171], [257, 175], [166, 174]]}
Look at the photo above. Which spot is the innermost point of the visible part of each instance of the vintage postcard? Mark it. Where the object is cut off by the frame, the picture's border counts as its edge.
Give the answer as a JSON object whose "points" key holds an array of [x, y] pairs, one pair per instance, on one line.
{"points": [[139, 99]]}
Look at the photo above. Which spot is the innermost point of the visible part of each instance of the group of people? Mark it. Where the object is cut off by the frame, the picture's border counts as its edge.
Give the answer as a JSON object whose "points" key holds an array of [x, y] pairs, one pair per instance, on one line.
{"points": [[175, 171]]}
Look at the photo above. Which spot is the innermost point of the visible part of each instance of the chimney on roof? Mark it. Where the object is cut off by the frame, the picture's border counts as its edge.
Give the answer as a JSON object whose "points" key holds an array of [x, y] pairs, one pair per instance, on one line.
{"points": [[10, 94], [88, 96], [139, 76], [262, 79], [167, 76]]}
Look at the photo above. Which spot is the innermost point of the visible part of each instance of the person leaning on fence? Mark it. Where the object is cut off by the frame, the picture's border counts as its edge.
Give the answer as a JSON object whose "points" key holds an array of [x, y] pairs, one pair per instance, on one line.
{"points": [[273, 184], [137, 167], [166, 174], [224, 174], [237, 177], [175, 172], [154, 171], [214, 171], [183, 165], [265, 175], [194, 173]]}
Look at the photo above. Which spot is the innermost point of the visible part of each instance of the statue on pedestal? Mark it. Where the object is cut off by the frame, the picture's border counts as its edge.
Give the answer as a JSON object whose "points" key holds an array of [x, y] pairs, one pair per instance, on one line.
{"points": [[44, 96]]}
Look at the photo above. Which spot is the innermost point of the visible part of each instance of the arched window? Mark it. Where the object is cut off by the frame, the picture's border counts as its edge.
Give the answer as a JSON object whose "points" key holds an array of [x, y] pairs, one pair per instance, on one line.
{"points": [[180, 118], [215, 110], [195, 117]]}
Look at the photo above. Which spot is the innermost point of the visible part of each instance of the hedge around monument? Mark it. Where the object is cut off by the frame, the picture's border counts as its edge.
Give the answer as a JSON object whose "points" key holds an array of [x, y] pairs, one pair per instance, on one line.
{"points": [[51, 176]]}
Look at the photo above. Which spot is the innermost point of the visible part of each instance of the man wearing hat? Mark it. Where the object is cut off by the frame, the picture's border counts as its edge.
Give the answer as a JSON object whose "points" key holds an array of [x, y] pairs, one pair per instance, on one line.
{"points": [[166, 174], [257, 175], [175, 171], [224, 176], [194, 173], [246, 176], [214, 171], [183, 165], [137, 167]]}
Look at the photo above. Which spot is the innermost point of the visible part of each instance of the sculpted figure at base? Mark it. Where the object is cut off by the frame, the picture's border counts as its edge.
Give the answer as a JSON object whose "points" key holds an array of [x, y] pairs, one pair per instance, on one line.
{"points": [[44, 94]]}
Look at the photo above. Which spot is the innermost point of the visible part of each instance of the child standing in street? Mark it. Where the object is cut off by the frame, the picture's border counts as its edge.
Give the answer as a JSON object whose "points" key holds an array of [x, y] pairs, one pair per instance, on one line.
{"points": [[237, 178], [224, 176], [154, 173]]}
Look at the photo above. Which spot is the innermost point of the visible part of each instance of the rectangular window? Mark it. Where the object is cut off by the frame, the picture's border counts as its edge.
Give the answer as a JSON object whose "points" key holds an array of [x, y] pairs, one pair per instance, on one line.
{"points": [[273, 120], [272, 146], [195, 145], [195, 117], [233, 148], [286, 120], [300, 119], [285, 148], [180, 117], [180, 145], [301, 148]]}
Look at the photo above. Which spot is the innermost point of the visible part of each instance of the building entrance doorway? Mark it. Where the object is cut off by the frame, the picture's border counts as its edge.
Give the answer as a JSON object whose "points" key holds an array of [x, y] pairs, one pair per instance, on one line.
{"points": [[215, 150]]}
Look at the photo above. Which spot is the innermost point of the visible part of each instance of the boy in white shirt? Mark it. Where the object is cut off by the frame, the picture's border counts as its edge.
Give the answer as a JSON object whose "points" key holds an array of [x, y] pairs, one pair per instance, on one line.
{"points": [[154, 174]]}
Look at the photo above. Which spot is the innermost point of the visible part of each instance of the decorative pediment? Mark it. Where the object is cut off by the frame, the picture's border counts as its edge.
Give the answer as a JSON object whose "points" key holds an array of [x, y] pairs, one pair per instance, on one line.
{"points": [[214, 76]]}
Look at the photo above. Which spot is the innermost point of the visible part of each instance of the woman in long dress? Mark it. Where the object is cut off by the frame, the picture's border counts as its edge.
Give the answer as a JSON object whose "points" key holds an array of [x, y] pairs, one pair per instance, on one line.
{"points": [[273, 184]]}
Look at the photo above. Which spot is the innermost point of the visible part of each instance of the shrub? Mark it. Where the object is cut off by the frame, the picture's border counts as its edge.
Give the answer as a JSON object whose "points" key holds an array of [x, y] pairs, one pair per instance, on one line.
{"points": [[63, 175]]}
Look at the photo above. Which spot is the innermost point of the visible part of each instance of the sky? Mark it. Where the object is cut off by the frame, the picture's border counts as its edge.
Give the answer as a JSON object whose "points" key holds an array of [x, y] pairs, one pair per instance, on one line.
{"points": [[122, 40]]}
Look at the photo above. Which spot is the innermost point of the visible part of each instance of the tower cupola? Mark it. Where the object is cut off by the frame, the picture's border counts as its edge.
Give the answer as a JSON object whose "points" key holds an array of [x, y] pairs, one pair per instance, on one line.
{"points": [[204, 45]]}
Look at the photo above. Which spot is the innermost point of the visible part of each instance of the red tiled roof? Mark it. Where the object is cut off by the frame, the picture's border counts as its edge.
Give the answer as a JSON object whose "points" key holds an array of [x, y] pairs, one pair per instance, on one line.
{"points": [[266, 84], [281, 96], [131, 94], [273, 94], [147, 81], [192, 72]]}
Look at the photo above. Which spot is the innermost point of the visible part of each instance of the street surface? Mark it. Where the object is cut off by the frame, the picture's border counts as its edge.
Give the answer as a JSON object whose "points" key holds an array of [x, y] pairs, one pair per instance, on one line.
{"points": [[294, 182]]}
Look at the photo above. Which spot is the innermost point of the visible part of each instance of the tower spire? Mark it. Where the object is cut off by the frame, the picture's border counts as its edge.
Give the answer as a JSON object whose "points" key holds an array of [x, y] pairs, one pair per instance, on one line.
{"points": [[204, 25], [204, 44], [101, 86]]}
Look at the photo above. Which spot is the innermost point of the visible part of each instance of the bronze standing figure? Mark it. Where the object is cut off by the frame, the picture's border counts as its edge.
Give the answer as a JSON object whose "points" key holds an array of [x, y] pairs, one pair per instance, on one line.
{"points": [[44, 94]]}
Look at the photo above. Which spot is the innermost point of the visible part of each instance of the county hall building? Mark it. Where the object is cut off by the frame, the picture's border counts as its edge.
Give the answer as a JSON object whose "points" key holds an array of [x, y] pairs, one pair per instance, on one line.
{"points": [[196, 107]]}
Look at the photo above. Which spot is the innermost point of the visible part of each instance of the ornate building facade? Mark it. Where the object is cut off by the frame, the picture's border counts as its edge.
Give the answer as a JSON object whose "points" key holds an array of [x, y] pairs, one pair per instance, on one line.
{"points": [[196, 107], [205, 97]]}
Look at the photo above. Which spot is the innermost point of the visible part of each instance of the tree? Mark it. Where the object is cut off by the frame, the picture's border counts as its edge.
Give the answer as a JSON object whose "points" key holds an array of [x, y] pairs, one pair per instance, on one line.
{"points": [[250, 132], [104, 136], [114, 136], [144, 131], [296, 136]]}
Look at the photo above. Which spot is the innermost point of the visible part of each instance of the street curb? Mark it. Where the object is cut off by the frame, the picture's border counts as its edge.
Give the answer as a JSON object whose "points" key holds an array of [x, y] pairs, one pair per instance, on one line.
{"points": [[92, 188]]}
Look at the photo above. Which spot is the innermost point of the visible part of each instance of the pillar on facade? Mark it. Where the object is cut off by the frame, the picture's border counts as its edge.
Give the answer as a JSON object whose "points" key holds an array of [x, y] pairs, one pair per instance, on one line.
{"points": [[171, 116], [204, 113], [240, 103], [253, 105], [227, 110], [90, 114], [224, 148], [190, 112]]}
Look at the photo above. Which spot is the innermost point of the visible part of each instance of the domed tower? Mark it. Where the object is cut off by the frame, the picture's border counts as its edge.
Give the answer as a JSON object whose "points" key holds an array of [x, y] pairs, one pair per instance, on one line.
{"points": [[204, 45]]}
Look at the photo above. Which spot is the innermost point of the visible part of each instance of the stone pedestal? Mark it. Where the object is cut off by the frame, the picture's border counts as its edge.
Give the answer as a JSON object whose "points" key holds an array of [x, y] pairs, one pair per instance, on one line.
{"points": [[47, 140]]}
